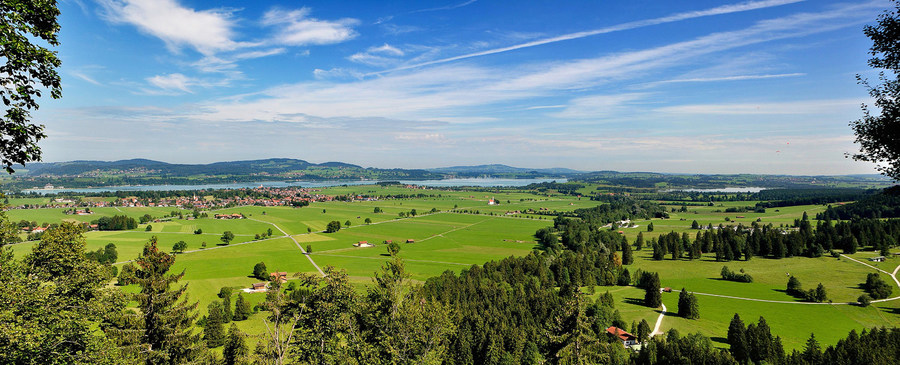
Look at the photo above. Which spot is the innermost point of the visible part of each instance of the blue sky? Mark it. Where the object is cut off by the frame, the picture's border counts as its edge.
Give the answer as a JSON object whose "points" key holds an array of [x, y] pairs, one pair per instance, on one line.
{"points": [[761, 86]]}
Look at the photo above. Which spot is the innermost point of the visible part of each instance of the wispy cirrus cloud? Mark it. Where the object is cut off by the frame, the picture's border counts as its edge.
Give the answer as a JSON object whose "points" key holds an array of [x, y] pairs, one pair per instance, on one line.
{"points": [[297, 28], [725, 9]]}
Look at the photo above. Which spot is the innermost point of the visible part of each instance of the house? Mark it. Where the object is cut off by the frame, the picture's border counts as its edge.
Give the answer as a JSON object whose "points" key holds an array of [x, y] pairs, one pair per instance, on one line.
{"points": [[387, 242], [410, 241], [492, 201], [363, 244], [667, 290], [626, 338], [281, 275], [877, 259], [258, 286]]}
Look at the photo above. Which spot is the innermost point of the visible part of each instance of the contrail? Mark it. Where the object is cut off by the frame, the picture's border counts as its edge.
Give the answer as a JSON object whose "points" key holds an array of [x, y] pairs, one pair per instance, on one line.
{"points": [[725, 9]]}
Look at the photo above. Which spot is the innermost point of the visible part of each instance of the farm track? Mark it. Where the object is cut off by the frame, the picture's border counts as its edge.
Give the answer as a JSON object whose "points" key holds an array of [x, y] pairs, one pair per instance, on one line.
{"points": [[296, 243]]}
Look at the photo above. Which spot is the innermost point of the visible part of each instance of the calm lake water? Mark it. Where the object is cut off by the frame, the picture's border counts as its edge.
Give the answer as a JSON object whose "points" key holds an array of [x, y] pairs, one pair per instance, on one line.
{"points": [[305, 184], [723, 190]]}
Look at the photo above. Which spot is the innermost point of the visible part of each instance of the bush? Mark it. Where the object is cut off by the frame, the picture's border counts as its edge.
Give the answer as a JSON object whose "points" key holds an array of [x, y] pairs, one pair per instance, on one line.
{"points": [[864, 300], [260, 272], [740, 277], [332, 227]]}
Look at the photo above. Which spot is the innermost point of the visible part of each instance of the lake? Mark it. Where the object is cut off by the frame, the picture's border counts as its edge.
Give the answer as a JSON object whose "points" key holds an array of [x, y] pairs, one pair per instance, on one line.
{"points": [[477, 182]]}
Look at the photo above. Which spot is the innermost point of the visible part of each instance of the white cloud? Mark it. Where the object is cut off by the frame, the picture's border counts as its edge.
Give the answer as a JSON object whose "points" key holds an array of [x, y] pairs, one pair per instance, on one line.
{"points": [[85, 77], [599, 107], [807, 107], [172, 82], [733, 78], [296, 28], [207, 31], [378, 56]]}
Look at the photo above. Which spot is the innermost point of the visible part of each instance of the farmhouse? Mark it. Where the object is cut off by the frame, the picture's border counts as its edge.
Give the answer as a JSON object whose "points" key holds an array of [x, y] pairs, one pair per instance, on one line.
{"points": [[281, 275], [258, 286], [626, 338], [410, 241], [230, 216], [363, 244], [877, 259]]}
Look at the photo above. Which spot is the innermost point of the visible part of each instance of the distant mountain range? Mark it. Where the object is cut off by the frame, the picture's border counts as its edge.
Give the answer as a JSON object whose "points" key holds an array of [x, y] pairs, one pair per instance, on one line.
{"points": [[267, 166], [272, 166]]}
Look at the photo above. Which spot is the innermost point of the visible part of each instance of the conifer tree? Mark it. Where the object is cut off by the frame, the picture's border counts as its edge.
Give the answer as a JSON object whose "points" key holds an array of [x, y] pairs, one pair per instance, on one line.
{"points": [[242, 308], [652, 295], [235, 347], [627, 254], [161, 332], [737, 339], [213, 330], [639, 242]]}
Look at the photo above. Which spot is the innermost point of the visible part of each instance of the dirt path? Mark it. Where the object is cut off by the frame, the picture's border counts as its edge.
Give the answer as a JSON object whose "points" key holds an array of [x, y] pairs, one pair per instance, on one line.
{"points": [[659, 322], [296, 243]]}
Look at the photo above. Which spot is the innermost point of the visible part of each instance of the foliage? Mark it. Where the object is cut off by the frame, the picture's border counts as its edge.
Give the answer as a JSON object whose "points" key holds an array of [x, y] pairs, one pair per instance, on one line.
{"points": [[332, 227], [29, 70], [242, 309], [116, 223], [879, 135], [213, 329], [161, 332], [687, 305], [877, 287], [227, 237], [260, 272], [52, 303], [740, 277]]}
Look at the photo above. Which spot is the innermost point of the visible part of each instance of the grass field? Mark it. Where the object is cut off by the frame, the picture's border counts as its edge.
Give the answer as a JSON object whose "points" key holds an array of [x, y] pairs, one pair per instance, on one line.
{"points": [[450, 241]]}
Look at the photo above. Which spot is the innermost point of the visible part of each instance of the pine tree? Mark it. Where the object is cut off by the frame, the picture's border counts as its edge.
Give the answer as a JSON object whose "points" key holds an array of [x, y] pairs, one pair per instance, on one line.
{"points": [[235, 346], [639, 242], [627, 255], [737, 339], [643, 332], [794, 287], [650, 227], [812, 353], [213, 332], [242, 308], [161, 333], [652, 295], [225, 294]]}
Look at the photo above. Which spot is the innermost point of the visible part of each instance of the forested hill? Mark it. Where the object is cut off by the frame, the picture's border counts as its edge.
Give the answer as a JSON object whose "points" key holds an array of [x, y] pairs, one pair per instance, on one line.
{"points": [[267, 166]]}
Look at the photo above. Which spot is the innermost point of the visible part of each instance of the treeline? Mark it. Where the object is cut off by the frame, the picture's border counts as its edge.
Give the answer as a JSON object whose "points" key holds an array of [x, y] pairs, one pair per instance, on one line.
{"points": [[619, 208], [740, 242], [115, 223], [883, 205]]}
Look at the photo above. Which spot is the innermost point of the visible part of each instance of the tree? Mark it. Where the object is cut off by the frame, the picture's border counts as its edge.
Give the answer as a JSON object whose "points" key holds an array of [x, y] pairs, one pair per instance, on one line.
{"points": [[242, 308], [149, 228], [368, 221], [687, 305], [793, 286], [308, 248], [643, 331], [879, 135], [179, 246], [213, 332], [235, 346], [53, 302], [225, 294], [639, 242], [627, 254], [332, 227], [737, 339], [161, 332], [227, 237], [695, 225], [29, 70], [393, 248], [652, 295], [650, 227], [377, 210], [260, 271], [812, 353], [347, 223]]}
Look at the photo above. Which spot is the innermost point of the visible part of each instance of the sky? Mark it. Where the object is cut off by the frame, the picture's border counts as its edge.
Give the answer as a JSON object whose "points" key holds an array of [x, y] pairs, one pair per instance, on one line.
{"points": [[759, 86]]}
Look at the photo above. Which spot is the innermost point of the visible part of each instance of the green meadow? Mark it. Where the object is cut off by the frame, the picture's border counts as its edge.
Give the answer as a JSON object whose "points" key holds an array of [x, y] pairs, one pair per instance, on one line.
{"points": [[455, 241]]}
